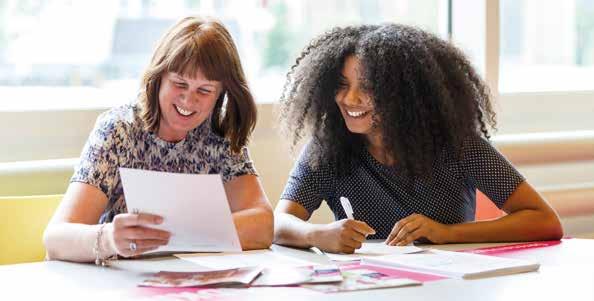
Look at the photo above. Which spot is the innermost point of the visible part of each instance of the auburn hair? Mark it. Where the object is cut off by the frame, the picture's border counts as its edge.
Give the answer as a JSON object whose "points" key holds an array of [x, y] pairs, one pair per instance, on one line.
{"points": [[197, 43]]}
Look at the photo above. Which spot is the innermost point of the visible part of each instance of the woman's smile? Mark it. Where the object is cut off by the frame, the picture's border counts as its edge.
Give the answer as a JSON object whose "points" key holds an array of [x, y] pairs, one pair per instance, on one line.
{"points": [[184, 112]]}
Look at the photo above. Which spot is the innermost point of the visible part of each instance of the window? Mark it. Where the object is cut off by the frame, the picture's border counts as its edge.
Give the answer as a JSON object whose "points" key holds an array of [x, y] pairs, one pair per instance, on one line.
{"points": [[547, 45], [546, 78], [61, 53], [546, 66]]}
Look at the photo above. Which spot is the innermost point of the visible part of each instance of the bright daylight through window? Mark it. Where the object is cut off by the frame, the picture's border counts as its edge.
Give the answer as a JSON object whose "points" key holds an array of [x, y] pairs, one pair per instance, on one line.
{"points": [[91, 53]]}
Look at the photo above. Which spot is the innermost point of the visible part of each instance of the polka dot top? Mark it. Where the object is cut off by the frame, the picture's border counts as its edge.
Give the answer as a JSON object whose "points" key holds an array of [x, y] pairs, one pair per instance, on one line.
{"points": [[382, 195], [120, 140]]}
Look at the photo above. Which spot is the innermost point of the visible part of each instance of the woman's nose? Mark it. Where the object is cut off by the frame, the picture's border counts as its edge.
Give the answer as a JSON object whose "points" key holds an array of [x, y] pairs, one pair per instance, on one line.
{"points": [[352, 97], [187, 98]]}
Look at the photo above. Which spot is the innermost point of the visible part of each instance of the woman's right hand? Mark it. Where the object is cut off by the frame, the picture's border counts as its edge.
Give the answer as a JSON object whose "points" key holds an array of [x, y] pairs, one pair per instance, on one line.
{"points": [[343, 236], [129, 229]]}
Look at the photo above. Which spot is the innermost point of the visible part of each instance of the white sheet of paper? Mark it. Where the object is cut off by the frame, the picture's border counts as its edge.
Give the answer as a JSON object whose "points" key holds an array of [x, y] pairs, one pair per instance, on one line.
{"points": [[260, 258], [194, 209], [374, 249], [456, 264]]}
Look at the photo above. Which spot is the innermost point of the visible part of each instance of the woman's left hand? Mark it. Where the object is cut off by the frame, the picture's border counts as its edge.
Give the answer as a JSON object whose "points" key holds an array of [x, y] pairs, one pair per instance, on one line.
{"points": [[416, 226]]}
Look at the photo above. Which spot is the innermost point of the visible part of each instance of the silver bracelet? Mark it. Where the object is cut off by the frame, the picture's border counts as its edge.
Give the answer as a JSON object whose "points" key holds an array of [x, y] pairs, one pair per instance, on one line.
{"points": [[99, 260]]}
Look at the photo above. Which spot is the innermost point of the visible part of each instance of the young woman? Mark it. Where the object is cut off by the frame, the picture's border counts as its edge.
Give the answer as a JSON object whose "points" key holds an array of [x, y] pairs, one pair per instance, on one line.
{"points": [[398, 121], [194, 114]]}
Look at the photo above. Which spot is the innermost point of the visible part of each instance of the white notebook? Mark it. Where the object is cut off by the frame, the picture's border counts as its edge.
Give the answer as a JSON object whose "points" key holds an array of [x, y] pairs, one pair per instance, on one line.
{"points": [[454, 264]]}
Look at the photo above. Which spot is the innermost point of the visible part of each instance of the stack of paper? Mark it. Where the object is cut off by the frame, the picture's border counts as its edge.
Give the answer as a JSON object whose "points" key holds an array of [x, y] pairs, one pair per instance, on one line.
{"points": [[374, 249], [322, 278], [454, 264], [261, 258]]}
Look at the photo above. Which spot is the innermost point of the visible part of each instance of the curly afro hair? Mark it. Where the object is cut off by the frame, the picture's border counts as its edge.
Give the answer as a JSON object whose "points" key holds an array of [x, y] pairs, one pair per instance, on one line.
{"points": [[426, 95]]}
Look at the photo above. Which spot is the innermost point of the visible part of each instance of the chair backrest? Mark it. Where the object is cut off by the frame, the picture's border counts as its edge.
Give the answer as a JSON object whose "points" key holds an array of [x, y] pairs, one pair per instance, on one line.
{"points": [[22, 222], [485, 209]]}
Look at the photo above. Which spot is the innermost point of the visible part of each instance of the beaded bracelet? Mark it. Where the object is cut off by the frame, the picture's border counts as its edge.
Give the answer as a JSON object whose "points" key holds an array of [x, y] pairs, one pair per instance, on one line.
{"points": [[100, 261]]}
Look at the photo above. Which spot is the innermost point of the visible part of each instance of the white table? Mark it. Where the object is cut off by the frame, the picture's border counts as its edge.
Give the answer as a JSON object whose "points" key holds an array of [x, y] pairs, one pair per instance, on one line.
{"points": [[567, 272]]}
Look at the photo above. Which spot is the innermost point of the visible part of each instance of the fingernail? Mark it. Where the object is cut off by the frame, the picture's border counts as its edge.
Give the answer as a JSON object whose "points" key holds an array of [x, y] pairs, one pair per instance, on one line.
{"points": [[158, 220]]}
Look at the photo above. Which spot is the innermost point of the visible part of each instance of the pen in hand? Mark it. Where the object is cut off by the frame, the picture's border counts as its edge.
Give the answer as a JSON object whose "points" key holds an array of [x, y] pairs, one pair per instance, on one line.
{"points": [[346, 206], [348, 210]]}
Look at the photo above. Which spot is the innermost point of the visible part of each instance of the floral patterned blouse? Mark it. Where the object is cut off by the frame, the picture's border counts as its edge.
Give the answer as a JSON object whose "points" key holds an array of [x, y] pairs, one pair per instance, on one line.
{"points": [[119, 140]]}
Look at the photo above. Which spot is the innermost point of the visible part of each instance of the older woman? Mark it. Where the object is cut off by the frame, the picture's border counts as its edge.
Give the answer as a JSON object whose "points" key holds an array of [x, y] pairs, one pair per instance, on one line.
{"points": [[194, 114]]}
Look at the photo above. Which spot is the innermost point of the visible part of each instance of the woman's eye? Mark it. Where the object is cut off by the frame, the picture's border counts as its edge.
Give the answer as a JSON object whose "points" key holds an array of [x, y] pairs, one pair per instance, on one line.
{"points": [[180, 85], [204, 91]]}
